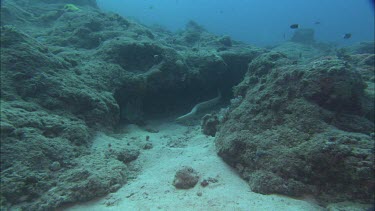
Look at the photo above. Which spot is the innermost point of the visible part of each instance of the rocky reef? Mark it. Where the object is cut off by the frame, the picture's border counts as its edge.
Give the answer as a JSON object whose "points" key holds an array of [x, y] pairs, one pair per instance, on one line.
{"points": [[303, 129], [299, 123], [68, 71]]}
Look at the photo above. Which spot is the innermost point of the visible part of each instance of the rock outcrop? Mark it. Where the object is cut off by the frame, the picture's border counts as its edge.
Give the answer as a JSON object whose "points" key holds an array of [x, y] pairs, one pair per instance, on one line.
{"points": [[302, 129]]}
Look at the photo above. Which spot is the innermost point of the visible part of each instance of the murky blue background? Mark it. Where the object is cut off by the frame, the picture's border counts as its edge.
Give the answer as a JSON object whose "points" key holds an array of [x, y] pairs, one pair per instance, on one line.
{"points": [[260, 22]]}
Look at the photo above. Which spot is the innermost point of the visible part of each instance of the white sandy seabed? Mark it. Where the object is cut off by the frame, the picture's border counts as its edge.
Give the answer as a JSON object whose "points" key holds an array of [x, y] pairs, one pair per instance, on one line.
{"points": [[152, 188]]}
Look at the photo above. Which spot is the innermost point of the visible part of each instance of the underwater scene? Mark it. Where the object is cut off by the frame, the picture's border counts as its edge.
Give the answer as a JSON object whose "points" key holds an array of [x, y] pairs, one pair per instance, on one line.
{"points": [[202, 105]]}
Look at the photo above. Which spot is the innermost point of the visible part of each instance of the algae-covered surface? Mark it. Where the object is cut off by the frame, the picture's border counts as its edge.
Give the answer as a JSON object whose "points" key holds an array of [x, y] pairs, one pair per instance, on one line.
{"points": [[89, 102]]}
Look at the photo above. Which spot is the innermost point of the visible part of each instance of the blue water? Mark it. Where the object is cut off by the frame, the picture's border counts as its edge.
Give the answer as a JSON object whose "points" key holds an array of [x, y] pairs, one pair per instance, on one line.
{"points": [[259, 22]]}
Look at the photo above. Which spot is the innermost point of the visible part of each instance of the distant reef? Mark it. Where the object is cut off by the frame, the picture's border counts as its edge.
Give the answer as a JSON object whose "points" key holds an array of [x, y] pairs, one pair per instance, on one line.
{"points": [[301, 119]]}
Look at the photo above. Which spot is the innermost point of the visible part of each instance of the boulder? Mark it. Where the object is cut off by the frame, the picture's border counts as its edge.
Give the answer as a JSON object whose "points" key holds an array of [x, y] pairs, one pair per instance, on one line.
{"points": [[186, 178], [301, 129]]}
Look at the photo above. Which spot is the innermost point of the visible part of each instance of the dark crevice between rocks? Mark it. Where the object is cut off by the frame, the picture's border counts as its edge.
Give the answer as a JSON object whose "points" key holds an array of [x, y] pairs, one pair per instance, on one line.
{"points": [[136, 57], [136, 108], [171, 94]]}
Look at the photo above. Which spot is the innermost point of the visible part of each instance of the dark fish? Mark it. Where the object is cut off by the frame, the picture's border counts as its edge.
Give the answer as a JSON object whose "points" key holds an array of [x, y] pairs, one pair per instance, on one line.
{"points": [[317, 22], [294, 26], [347, 36]]}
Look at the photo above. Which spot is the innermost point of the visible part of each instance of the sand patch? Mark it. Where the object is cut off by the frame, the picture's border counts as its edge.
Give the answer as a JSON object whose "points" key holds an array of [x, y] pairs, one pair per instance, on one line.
{"points": [[175, 146]]}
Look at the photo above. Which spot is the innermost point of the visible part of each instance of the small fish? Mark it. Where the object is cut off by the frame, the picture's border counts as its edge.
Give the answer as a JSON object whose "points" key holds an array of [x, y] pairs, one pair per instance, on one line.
{"points": [[294, 26], [151, 7], [347, 36], [317, 22]]}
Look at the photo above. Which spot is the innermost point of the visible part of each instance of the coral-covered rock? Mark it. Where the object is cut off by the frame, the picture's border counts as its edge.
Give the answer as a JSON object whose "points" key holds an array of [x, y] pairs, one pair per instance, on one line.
{"points": [[210, 124], [68, 73], [186, 178], [127, 155], [302, 129]]}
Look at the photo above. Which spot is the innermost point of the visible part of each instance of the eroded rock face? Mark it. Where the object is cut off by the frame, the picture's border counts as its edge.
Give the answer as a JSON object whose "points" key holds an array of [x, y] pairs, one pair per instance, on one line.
{"points": [[302, 129]]}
